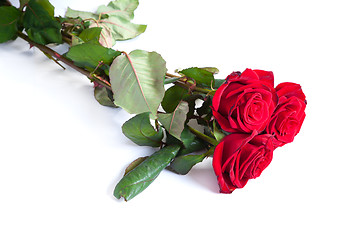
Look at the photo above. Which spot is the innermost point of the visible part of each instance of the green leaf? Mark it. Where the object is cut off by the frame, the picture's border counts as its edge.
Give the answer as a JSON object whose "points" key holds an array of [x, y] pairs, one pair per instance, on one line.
{"points": [[218, 134], [171, 80], [183, 164], [174, 122], [139, 130], [75, 40], [137, 81], [23, 3], [145, 173], [191, 100], [84, 15], [8, 23], [218, 83], [114, 19], [121, 29], [91, 35], [213, 70], [195, 146], [90, 55], [202, 76], [102, 95], [106, 37], [189, 142], [134, 164], [205, 107], [40, 24], [117, 15], [121, 8], [186, 138], [172, 98], [88, 35], [46, 5]]}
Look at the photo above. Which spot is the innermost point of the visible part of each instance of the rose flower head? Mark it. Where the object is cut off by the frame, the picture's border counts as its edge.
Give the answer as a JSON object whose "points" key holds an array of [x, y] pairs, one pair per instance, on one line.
{"points": [[289, 115], [240, 157], [245, 102]]}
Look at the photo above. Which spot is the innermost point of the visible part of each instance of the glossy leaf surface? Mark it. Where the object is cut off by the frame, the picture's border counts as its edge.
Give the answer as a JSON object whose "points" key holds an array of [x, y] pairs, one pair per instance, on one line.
{"points": [[218, 83], [8, 23], [40, 24], [202, 76], [145, 173], [91, 35], [172, 98], [183, 164], [186, 138], [134, 164], [91, 56], [139, 130]]}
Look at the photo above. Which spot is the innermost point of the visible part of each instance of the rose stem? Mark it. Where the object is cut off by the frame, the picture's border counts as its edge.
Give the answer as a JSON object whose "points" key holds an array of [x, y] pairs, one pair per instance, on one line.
{"points": [[210, 152], [183, 84], [204, 137], [68, 62]]}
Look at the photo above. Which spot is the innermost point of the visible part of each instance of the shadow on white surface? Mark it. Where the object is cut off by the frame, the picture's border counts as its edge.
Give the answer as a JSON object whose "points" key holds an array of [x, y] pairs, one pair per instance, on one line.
{"points": [[308, 192], [205, 177]]}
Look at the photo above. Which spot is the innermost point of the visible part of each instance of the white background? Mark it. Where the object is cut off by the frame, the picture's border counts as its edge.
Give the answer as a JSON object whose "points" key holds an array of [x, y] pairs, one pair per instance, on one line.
{"points": [[62, 153]]}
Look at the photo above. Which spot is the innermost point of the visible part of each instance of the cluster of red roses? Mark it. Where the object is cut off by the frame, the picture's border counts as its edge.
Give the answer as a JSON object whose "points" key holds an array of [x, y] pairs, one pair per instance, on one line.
{"points": [[259, 118]]}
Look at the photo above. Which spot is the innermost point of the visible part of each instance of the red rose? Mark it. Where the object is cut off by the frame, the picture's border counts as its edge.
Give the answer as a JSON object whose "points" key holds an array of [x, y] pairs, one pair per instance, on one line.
{"points": [[289, 115], [245, 102], [240, 157]]}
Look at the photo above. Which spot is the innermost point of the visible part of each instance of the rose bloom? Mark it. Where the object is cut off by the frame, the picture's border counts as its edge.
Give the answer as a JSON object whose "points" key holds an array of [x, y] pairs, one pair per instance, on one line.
{"points": [[240, 157], [245, 102], [289, 115]]}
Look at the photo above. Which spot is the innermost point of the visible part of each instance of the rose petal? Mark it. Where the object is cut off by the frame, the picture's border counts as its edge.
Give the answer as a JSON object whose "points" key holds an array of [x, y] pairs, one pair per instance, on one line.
{"points": [[249, 77], [240, 157], [266, 77], [217, 96], [223, 122], [289, 89], [224, 182]]}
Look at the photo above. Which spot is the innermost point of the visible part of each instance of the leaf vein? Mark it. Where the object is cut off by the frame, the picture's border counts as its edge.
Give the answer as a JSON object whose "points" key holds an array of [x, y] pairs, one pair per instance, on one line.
{"points": [[118, 25], [138, 81]]}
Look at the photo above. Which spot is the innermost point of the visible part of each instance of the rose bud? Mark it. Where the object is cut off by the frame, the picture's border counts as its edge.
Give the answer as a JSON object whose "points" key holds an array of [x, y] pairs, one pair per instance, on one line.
{"points": [[289, 115], [245, 102], [240, 157]]}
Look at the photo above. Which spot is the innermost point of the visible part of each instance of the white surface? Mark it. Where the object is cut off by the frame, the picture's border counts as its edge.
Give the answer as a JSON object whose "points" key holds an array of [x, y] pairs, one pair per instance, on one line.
{"points": [[62, 153]]}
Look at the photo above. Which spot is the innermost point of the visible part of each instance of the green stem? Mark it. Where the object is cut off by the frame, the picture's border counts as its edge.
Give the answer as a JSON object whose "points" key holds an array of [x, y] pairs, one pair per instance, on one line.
{"points": [[210, 152], [66, 39], [183, 84], [204, 137], [204, 90], [49, 51]]}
